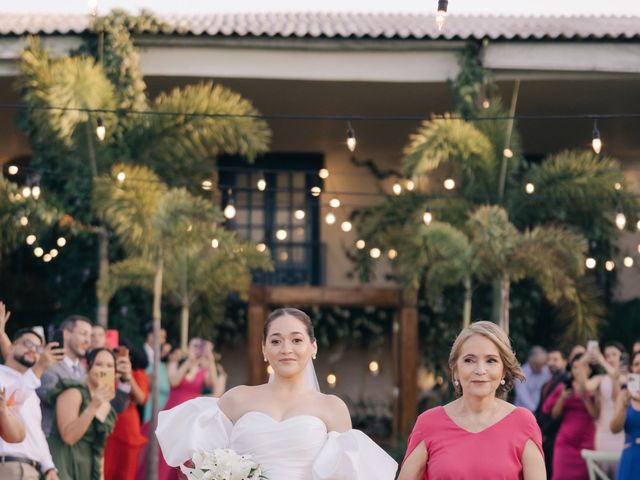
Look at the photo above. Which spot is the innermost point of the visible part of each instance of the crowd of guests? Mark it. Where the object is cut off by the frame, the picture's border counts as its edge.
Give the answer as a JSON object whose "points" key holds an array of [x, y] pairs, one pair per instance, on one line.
{"points": [[78, 408], [581, 402]]}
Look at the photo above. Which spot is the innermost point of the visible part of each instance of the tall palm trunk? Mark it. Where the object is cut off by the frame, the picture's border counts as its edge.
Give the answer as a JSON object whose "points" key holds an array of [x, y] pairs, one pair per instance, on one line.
{"points": [[466, 315], [152, 465], [102, 313], [500, 306]]}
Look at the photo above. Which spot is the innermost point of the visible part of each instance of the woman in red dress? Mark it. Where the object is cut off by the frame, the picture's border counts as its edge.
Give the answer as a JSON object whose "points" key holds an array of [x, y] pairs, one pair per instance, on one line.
{"points": [[478, 436], [188, 379], [125, 443]]}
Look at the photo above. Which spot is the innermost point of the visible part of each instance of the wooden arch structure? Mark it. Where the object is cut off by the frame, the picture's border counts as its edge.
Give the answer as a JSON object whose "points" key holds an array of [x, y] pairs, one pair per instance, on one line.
{"points": [[404, 342]]}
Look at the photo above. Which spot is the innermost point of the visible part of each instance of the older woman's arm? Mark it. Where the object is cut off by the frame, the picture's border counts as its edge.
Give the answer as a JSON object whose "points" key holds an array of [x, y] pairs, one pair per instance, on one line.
{"points": [[73, 424], [415, 464], [533, 463], [11, 427]]}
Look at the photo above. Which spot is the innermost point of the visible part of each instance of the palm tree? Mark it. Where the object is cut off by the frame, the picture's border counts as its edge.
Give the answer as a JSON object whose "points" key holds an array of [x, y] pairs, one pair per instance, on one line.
{"points": [[61, 92]]}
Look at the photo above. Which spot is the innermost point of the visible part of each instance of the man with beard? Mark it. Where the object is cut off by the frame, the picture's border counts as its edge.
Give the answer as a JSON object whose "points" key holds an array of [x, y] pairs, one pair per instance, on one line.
{"points": [[76, 335], [24, 365]]}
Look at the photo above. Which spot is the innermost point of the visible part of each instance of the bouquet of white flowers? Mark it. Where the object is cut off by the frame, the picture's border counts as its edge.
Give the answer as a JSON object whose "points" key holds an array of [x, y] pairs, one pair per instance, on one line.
{"points": [[222, 464]]}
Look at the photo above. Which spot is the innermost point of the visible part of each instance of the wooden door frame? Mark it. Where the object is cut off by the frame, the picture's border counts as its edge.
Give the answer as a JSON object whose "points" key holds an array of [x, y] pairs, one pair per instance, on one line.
{"points": [[404, 341]]}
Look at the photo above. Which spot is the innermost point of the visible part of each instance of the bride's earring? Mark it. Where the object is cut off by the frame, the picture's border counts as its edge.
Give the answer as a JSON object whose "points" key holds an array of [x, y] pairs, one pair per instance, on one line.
{"points": [[315, 355], [265, 360], [456, 383]]}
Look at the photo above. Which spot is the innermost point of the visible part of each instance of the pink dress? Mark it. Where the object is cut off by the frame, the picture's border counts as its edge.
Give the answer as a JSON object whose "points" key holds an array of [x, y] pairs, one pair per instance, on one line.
{"points": [[454, 453], [187, 390], [577, 431]]}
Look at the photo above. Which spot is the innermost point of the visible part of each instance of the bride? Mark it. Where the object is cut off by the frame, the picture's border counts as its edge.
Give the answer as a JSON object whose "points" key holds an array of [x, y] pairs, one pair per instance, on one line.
{"points": [[291, 429]]}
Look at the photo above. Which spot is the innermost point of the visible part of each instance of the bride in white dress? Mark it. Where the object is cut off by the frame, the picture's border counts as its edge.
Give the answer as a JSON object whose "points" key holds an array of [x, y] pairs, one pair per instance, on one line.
{"points": [[291, 429]]}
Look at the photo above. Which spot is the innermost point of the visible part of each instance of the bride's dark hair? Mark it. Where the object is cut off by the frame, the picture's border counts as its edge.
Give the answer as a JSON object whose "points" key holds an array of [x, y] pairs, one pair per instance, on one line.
{"points": [[292, 312]]}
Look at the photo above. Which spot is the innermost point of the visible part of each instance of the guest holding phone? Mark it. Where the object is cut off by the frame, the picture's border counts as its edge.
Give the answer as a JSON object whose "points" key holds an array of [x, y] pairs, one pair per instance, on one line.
{"points": [[188, 378], [125, 443], [83, 419], [627, 418]]}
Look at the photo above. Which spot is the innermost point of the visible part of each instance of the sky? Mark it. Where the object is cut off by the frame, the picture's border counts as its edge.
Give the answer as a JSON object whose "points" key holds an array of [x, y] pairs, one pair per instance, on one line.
{"points": [[527, 7]]}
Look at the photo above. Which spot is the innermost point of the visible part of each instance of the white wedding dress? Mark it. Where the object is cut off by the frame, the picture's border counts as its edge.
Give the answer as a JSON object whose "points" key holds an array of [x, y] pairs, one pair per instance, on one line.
{"points": [[297, 448]]}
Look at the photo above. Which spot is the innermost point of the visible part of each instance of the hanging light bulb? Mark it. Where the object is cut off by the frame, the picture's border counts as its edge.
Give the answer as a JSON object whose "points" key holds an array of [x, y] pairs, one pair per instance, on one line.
{"points": [[375, 252], [638, 225], [299, 214], [261, 184], [508, 153], [121, 177], [24, 221], [621, 220], [346, 226], [101, 131], [261, 247], [323, 173], [334, 203], [53, 252], [332, 379], [316, 191], [530, 188], [360, 244], [628, 262], [12, 170], [61, 242], [427, 217], [392, 254], [441, 14], [47, 257], [590, 263], [38, 252], [31, 239], [410, 185], [281, 234], [596, 142], [207, 185], [26, 192], [330, 218], [35, 191], [397, 188], [230, 209], [449, 184], [215, 243], [609, 265], [351, 138], [374, 367], [486, 103], [617, 186]]}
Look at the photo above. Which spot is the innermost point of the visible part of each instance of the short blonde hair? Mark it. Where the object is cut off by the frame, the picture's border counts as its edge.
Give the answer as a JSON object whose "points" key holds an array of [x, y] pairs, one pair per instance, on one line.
{"points": [[500, 339]]}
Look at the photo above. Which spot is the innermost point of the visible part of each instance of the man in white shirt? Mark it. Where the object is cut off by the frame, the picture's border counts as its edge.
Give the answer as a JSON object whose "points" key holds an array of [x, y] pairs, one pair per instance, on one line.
{"points": [[536, 374], [21, 376], [148, 344]]}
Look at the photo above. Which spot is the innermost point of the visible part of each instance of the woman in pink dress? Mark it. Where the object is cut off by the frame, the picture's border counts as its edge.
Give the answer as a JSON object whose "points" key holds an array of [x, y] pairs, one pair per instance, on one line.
{"points": [[188, 379], [478, 436], [576, 407]]}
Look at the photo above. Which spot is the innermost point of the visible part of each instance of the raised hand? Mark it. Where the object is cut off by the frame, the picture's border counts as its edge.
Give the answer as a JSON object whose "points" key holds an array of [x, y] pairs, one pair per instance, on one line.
{"points": [[4, 317]]}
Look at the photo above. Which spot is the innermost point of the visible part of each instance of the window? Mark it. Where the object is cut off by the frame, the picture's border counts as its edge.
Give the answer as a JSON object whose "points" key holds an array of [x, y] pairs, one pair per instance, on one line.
{"points": [[285, 216]]}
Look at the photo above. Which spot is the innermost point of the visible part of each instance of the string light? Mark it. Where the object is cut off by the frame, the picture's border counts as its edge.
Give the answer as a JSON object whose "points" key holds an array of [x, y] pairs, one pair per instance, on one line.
{"points": [[486, 103], [628, 262], [621, 220], [334, 203], [331, 380], [261, 247], [281, 234], [609, 265], [346, 226], [26, 192], [441, 14], [410, 185], [617, 186], [392, 254], [207, 185], [590, 263], [12, 170], [230, 209], [374, 367], [101, 131], [300, 214], [375, 252], [53, 252], [638, 225], [47, 258], [427, 217], [508, 153], [530, 188], [35, 191], [316, 191], [121, 177], [360, 244], [215, 243], [283, 256], [38, 252], [330, 218], [596, 142], [31, 239], [323, 173], [397, 188], [61, 242], [449, 184], [24, 221], [351, 138], [639, 248], [261, 183]]}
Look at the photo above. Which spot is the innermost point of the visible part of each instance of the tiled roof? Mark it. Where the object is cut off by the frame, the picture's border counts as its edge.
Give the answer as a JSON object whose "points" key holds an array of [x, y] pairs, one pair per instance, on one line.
{"points": [[355, 25]]}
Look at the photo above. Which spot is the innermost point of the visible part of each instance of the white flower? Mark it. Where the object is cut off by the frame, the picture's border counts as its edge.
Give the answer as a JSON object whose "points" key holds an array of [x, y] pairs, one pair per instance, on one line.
{"points": [[222, 464]]}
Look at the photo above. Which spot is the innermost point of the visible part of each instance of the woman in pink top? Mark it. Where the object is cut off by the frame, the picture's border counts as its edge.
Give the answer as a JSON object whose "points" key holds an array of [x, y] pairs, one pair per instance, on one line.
{"points": [[578, 410], [477, 436]]}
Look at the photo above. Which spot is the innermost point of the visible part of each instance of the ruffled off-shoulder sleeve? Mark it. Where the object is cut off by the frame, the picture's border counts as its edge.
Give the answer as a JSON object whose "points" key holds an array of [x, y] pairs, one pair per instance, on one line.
{"points": [[352, 456], [194, 425]]}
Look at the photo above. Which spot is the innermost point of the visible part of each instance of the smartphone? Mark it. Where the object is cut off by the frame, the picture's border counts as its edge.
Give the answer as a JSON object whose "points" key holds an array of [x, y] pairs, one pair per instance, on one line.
{"points": [[592, 345], [113, 339], [123, 352], [108, 379], [633, 384], [58, 336]]}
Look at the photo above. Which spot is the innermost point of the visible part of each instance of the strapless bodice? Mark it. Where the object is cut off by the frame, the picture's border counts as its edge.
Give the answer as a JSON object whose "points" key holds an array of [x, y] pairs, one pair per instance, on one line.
{"points": [[296, 448], [284, 449]]}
